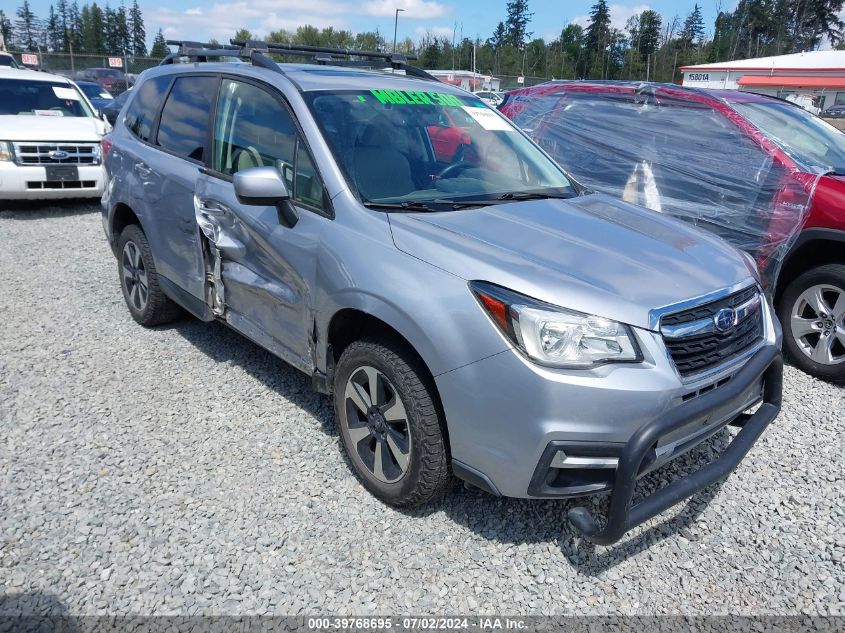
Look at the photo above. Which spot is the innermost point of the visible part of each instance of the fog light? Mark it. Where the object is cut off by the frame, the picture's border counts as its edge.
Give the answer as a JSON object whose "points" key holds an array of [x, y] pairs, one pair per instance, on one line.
{"points": [[562, 460]]}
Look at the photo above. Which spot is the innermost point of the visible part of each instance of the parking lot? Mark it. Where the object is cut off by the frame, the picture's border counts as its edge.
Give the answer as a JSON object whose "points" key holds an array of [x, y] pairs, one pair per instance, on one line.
{"points": [[185, 470]]}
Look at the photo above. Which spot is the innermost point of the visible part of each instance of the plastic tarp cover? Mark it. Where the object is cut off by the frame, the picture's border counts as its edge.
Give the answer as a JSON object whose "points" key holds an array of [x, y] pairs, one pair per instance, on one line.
{"points": [[681, 152]]}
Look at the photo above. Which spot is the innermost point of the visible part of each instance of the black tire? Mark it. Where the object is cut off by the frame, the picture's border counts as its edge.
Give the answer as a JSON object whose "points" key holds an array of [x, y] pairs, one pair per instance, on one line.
{"points": [[148, 307], [831, 276], [427, 474]]}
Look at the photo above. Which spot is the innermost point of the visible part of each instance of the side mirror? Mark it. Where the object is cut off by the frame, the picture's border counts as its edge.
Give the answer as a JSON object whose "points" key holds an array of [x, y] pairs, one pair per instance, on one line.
{"points": [[263, 186], [260, 186]]}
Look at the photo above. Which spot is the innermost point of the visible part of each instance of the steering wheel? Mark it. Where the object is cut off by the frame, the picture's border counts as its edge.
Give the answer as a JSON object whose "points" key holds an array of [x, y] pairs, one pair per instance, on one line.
{"points": [[453, 170]]}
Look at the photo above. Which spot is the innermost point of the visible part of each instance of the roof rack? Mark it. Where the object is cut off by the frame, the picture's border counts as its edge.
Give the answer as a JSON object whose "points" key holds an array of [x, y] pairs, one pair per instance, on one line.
{"points": [[257, 51]]}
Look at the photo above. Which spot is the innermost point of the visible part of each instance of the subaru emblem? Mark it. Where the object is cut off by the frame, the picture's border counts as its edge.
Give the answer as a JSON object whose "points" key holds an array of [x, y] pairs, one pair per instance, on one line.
{"points": [[725, 319], [59, 154]]}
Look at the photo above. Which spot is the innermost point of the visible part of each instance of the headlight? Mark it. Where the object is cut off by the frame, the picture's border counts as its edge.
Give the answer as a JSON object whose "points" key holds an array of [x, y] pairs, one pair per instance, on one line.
{"points": [[554, 336], [5, 151]]}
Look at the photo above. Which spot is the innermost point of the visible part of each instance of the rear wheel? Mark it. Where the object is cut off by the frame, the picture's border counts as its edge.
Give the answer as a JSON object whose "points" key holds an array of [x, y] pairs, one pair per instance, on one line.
{"points": [[389, 423], [812, 312], [144, 297]]}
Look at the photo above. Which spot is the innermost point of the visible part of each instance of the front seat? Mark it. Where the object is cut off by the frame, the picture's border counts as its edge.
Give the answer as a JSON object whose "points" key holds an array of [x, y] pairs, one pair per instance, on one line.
{"points": [[379, 169]]}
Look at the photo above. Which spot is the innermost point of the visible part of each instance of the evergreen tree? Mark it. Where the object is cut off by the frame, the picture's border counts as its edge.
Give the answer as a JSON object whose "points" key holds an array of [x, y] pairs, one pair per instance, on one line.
{"points": [[137, 33], [5, 28], [597, 39], [62, 24], [55, 37], [26, 28], [499, 36], [516, 24], [693, 31], [121, 32], [74, 23], [650, 25], [159, 48]]}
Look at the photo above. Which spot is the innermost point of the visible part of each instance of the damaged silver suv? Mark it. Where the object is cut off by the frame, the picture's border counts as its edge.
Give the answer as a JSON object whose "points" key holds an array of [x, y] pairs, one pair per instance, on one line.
{"points": [[470, 309]]}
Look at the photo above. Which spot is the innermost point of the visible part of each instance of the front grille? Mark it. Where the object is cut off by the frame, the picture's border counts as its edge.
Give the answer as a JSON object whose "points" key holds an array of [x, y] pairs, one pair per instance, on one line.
{"points": [[61, 184], [57, 153], [700, 352]]}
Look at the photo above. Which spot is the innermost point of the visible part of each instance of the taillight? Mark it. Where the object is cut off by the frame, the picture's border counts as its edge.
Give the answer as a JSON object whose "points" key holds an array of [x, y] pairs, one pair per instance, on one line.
{"points": [[105, 146]]}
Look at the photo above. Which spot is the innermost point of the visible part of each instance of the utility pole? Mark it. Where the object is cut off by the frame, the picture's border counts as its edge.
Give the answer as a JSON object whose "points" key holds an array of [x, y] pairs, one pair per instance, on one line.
{"points": [[395, 27]]}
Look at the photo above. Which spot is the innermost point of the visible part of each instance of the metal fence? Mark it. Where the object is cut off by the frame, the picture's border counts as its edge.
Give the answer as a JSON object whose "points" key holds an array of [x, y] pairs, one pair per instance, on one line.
{"points": [[69, 65]]}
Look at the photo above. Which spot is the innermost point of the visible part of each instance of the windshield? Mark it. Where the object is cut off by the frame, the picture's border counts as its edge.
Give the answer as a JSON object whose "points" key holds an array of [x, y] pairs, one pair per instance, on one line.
{"points": [[41, 98], [94, 91], [805, 137], [398, 146]]}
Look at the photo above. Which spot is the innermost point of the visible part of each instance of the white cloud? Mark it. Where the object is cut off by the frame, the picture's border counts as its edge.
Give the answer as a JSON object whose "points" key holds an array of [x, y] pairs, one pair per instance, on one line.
{"points": [[436, 31], [414, 9], [221, 20], [619, 15]]}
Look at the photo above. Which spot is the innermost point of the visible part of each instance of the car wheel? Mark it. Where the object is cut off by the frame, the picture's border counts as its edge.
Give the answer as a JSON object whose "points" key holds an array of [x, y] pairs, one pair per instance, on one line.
{"points": [[812, 312], [390, 423], [144, 297]]}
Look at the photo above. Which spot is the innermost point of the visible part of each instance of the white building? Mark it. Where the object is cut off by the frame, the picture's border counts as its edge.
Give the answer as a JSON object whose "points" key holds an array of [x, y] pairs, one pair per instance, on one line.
{"points": [[467, 79], [815, 78]]}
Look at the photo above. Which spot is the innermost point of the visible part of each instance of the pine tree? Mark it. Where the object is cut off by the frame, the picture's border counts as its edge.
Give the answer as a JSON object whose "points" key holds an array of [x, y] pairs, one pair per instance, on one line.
{"points": [[650, 25], [55, 38], [5, 28], [597, 40], [159, 48], [499, 36], [693, 31], [516, 24], [121, 32], [74, 27], [137, 33], [26, 28]]}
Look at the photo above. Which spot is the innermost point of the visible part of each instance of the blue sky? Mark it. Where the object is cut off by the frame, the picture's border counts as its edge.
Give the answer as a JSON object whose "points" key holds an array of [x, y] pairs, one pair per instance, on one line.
{"points": [[201, 19]]}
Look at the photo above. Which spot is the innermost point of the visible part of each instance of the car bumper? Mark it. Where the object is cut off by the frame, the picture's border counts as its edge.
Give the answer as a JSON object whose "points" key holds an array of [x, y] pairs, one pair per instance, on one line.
{"points": [[30, 182], [521, 430]]}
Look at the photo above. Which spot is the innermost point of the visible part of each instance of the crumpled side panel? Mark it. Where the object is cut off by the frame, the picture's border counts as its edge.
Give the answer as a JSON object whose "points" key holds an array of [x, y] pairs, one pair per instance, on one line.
{"points": [[675, 151]]}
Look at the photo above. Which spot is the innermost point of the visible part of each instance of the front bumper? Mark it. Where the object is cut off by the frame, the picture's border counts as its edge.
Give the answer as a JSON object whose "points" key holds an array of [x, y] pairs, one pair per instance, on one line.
{"points": [[635, 456], [30, 182]]}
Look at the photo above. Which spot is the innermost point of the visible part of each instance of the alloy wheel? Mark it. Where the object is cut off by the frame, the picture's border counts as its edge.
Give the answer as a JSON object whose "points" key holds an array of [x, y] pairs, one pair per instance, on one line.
{"points": [[378, 424], [135, 276], [818, 323]]}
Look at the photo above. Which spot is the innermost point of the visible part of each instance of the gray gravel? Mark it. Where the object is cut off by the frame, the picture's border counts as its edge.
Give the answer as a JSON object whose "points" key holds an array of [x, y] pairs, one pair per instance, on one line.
{"points": [[184, 470]]}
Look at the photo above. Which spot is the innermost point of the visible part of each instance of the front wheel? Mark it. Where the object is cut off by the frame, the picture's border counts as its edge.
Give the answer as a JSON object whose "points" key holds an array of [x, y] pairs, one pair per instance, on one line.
{"points": [[389, 423], [812, 312]]}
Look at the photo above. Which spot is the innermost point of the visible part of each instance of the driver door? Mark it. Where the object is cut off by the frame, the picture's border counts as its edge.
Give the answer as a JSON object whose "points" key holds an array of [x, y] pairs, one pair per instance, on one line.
{"points": [[261, 267]]}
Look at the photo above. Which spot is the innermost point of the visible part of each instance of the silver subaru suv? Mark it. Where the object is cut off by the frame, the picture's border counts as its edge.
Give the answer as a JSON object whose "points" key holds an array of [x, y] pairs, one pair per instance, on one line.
{"points": [[471, 309]]}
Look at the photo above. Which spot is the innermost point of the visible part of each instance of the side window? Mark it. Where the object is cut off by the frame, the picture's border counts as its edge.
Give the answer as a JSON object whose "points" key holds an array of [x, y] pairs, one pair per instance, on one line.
{"points": [[254, 129], [144, 107], [185, 116]]}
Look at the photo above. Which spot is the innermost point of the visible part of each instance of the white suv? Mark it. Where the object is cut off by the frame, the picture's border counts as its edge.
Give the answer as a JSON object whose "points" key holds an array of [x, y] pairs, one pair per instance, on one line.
{"points": [[50, 138]]}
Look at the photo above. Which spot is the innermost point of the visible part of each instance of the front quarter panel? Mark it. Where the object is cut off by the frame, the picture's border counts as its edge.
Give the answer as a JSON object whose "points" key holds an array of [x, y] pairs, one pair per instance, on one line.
{"points": [[434, 310]]}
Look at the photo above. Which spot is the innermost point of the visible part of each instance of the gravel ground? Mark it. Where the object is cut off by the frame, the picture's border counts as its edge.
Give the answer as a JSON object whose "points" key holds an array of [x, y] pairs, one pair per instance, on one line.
{"points": [[184, 470]]}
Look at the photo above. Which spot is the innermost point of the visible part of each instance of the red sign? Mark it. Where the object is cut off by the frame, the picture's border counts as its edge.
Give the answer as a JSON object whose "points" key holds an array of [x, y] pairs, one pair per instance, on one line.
{"points": [[115, 62], [29, 59]]}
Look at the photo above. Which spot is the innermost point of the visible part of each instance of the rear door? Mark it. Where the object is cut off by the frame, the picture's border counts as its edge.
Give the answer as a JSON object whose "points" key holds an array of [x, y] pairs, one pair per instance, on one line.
{"points": [[263, 270], [172, 168]]}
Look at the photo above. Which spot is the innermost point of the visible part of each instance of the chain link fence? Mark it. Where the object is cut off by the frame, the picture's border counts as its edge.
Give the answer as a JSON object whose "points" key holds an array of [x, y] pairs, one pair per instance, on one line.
{"points": [[69, 65]]}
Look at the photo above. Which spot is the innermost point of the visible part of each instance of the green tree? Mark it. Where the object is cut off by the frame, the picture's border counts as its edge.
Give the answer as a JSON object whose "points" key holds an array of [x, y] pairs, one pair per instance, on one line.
{"points": [[159, 48], [5, 28], [55, 37], [516, 24], [243, 35], [693, 31], [597, 40], [137, 32], [26, 28]]}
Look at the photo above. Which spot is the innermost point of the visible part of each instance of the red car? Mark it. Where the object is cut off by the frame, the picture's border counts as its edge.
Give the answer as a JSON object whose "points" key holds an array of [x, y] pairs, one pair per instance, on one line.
{"points": [[761, 172], [113, 80]]}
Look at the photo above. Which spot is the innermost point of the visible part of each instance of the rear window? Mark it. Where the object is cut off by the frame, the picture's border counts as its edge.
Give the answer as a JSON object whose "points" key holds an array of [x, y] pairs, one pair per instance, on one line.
{"points": [[41, 98], [185, 116], [141, 115]]}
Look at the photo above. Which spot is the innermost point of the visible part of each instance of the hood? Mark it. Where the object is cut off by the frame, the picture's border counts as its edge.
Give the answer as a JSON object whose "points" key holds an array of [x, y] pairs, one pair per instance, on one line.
{"points": [[51, 128], [593, 254]]}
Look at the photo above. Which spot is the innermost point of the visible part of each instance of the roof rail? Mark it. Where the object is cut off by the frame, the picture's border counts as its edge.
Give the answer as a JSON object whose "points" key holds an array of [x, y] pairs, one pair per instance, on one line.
{"points": [[257, 51]]}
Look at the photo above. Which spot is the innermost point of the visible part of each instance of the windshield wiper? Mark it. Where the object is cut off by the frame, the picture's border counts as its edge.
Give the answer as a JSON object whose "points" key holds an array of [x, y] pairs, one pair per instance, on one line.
{"points": [[416, 206], [533, 195], [407, 207]]}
